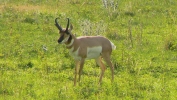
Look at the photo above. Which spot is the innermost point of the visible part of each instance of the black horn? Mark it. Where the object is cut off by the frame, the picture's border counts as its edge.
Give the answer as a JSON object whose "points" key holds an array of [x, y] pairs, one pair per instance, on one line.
{"points": [[67, 25], [57, 25]]}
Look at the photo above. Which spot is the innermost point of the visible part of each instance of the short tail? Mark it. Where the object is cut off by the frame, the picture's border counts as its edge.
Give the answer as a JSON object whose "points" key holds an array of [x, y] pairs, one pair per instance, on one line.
{"points": [[113, 46]]}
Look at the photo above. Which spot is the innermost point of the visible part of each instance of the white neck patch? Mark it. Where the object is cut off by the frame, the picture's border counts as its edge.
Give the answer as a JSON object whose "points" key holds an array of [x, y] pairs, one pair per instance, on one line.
{"points": [[68, 45]]}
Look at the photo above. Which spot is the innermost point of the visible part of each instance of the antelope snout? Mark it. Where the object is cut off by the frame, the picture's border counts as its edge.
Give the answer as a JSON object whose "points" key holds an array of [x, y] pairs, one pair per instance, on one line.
{"points": [[59, 41]]}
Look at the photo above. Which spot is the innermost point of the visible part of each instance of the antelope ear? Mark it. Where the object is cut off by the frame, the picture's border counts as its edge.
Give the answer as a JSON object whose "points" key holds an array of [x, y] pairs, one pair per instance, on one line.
{"points": [[71, 27]]}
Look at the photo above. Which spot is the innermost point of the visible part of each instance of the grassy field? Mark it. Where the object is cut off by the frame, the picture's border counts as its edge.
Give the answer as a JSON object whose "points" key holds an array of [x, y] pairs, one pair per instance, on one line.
{"points": [[33, 66]]}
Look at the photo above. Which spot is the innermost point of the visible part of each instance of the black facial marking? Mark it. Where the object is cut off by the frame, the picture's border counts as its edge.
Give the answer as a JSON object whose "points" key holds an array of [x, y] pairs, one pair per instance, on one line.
{"points": [[61, 39], [67, 32]]}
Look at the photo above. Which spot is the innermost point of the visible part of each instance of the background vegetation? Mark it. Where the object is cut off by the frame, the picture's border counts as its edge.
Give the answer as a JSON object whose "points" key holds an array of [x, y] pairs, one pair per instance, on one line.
{"points": [[34, 66]]}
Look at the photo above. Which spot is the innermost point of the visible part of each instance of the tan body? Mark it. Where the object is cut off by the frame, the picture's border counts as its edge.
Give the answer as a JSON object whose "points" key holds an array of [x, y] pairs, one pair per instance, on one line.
{"points": [[87, 47]]}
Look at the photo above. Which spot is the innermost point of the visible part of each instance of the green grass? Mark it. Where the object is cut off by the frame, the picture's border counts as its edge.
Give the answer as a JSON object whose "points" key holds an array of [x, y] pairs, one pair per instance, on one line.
{"points": [[145, 59]]}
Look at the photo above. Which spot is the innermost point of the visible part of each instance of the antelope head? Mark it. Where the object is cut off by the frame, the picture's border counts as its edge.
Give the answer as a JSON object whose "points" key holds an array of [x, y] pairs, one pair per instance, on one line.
{"points": [[65, 33]]}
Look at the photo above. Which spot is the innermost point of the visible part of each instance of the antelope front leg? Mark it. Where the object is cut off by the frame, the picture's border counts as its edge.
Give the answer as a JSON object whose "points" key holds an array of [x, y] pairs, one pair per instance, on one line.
{"points": [[76, 72]]}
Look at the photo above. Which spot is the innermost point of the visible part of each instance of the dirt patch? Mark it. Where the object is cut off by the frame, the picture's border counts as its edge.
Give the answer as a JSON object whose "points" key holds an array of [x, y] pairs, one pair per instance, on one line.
{"points": [[22, 8], [28, 7]]}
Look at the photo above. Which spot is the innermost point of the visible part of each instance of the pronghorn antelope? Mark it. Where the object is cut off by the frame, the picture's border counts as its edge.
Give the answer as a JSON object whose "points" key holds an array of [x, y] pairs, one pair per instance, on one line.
{"points": [[86, 47]]}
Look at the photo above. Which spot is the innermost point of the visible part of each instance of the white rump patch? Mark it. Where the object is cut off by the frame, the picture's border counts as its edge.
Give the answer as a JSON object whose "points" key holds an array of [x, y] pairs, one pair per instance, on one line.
{"points": [[93, 52], [113, 46]]}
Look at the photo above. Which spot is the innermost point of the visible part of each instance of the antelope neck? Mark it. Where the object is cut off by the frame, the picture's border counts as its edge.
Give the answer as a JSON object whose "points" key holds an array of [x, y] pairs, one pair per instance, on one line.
{"points": [[70, 42]]}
